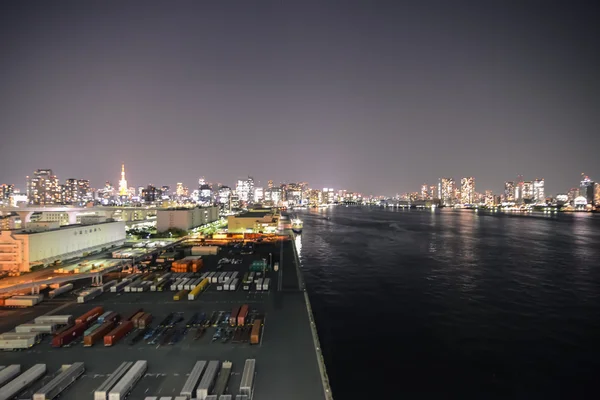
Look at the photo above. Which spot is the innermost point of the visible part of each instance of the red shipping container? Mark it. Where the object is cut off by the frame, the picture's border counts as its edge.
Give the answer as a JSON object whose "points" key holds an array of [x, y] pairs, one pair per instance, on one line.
{"points": [[242, 315], [113, 317], [90, 316], [128, 317], [98, 334], [69, 335], [113, 336], [144, 320], [135, 319], [63, 329], [233, 316]]}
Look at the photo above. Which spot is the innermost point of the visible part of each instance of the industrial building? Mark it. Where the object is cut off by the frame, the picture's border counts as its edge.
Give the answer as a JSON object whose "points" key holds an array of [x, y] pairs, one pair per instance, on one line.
{"points": [[254, 221], [47, 242], [185, 218]]}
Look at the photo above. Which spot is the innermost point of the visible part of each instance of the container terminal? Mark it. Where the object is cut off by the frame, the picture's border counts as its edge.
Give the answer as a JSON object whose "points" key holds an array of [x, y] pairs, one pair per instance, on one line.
{"points": [[237, 323]]}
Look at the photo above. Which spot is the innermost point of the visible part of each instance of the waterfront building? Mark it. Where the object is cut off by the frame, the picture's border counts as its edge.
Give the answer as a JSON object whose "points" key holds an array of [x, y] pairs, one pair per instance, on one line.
{"points": [[467, 190], [46, 242], [185, 218], [447, 191], [527, 192], [509, 192], [432, 192], [586, 189], [6, 191], [259, 194], [489, 198], [597, 194], [253, 221], [328, 196], [42, 188], [519, 190], [539, 196]]}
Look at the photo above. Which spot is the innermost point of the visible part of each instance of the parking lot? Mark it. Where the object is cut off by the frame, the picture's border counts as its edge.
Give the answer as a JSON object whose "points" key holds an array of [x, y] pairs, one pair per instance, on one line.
{"points": [[286, 365]]}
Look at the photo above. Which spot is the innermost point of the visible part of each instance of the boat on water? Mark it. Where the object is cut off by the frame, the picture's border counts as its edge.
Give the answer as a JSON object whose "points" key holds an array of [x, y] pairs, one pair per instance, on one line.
{"points": [[297, 225]]}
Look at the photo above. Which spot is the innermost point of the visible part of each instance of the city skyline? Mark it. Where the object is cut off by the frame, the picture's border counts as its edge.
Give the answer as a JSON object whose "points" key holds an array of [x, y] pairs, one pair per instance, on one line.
{"points": [[369, 97]]}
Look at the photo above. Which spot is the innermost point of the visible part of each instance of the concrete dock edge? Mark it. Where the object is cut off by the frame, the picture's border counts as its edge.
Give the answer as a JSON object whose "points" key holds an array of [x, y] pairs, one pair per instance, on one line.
{"points": [[313, 326]]}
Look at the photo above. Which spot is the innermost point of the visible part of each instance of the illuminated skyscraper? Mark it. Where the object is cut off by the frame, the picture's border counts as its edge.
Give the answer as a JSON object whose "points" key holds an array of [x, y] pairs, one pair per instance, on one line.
{"points": [[539, 196], [597, 194], [245, 189], [467, 190], [179, 191], [509, 192], [42, 188], [527, 193], [586, 189], [258, 194], [489, 198], [447, 191], [123, 188], [432, 192], [425, 192], [6, 191]]}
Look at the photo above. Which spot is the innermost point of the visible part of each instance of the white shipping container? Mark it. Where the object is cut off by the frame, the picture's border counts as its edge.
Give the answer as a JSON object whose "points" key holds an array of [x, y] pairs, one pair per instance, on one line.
{"points": [[175, 284], [66, 377], [204, 250], [19, 383], [102, 392], [233, 285], [192, 381], [13, 302], [39, 328], [106, 287], [60, 290], [119, 286], [54, 319], [8, 373], [208, 380], [259, 284], [248, 378], [124, 386], [181, 284], [266, 284]]}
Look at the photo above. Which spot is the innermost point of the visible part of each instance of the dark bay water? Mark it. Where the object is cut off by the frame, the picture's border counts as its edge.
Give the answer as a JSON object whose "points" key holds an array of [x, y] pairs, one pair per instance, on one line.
{"points": [[455, 304]]}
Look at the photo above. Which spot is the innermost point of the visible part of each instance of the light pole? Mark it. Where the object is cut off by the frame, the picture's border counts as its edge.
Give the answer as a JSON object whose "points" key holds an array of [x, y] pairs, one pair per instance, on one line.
{"points": [[271, 260]]}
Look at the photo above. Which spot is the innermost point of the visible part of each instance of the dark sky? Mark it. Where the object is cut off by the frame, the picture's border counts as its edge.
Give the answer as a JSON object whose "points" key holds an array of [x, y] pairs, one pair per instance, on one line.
{"points": [[377, 97]]}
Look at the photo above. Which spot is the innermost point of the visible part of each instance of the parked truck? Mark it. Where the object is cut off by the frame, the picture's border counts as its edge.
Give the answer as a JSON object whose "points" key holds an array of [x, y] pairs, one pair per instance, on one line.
{"points": [[68, 374], [192, 381], [255, 333], [39, 328], [18, 384], [208, 380], [128, 381], [54, 319], [120, 331], [247, 383], [102, 392]]}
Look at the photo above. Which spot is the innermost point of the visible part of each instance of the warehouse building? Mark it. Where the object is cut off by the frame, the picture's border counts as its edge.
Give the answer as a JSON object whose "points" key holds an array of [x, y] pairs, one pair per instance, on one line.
{"points": [[47, 242], [185, 218], [254, 221]]}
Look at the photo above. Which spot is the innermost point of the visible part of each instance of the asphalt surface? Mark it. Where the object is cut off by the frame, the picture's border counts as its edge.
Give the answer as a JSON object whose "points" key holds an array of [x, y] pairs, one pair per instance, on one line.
{"points": [[286, 363]]}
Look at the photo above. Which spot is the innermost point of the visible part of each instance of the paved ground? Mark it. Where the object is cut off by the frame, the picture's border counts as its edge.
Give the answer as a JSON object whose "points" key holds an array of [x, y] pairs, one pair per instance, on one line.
{"points": [[286, 362]]}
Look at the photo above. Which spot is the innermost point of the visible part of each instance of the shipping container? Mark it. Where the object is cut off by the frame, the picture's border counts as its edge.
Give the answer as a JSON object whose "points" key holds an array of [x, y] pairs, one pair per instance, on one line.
{"points": [[68, 375], [174, 284], [128, 381], [8, 373], [60, 290], [255, 333], [145, 320], [208, 380], [98, 334], [69, 335], [210, 276], [113, 336], [19, 301], [54, 319], [259, 284], [63, 329], [17, 343], [39, 328], [119, 287], [204, 250], [163, 277], [90, 316], [181, 284], [182, 294], [129, 317], [266, 283], [247, 383], [233, 316], [242, 315], [234, 284], [223, 378], [91, 329], [19, 383], [102, 392], [189, 387], [107, 286], [225, 397], [226, 285], [241, 397], [89, 295], [135, 319]]}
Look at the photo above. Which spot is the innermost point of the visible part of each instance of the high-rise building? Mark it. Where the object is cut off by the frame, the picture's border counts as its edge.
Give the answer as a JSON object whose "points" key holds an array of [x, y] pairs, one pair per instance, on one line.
{"points": [[425, 192], [527, 192], [179, 191], [586, 189], [509, 192], [572, 194], [259, 194], [519, 190], [447, 191], [539, 196], [432, 192], [6, 191], [151, 194], [42, 188], [270, 184], [70, 192], [467, 190], [205, 192], [224, 198], [245, 189], [123, 191], [597, 194], [489, 198]]}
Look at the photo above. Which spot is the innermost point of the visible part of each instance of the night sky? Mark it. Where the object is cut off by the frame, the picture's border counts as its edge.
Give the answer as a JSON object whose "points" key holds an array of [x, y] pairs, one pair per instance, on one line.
{"points": [[377, 97]]}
